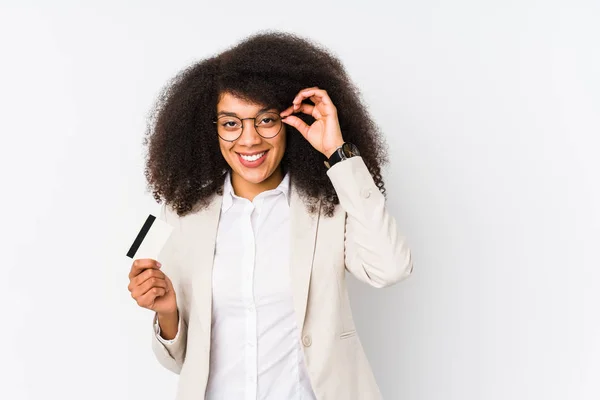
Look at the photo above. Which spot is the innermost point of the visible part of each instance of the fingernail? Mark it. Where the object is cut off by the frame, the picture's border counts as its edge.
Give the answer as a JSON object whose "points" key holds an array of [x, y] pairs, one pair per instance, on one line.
{"points": [[159, 264]]}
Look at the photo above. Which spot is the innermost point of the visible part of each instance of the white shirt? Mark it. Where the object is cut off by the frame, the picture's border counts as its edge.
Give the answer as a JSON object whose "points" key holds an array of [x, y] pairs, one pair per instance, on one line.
{"points": [[255, 342]]}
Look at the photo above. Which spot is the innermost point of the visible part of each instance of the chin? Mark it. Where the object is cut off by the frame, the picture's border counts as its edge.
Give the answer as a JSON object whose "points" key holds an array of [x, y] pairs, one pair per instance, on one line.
{"points": [[254, 176]]}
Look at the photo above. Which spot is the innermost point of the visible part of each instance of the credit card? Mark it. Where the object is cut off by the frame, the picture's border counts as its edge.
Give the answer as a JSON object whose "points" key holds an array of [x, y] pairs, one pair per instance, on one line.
{"points": [[151, 239]]}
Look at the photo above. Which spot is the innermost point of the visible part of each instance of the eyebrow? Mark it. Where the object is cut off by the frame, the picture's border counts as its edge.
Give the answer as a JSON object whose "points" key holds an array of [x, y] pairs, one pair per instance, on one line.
{"points": [[232, 114]]}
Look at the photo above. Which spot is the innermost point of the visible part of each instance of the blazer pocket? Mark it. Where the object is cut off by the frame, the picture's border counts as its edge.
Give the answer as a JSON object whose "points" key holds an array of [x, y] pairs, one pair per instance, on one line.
{"points": [[347, 334]]}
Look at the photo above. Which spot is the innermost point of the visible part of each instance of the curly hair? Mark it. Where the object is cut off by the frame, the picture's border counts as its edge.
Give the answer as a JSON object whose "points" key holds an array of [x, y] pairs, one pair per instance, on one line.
{"points": [[184, 165]]}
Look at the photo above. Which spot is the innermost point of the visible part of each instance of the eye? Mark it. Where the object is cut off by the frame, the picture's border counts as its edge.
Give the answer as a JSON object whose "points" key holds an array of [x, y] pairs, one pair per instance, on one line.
{"points": [[230, 124], [267, 120]]}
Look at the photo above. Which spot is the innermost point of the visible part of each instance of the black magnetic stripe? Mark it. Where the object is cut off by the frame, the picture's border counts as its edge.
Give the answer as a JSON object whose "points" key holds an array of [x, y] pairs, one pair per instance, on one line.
{"points": [[141, 236]]}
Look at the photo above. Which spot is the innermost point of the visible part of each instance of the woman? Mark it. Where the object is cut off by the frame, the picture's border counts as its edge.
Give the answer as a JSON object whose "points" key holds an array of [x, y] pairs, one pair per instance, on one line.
{"points": [[269, 169]]}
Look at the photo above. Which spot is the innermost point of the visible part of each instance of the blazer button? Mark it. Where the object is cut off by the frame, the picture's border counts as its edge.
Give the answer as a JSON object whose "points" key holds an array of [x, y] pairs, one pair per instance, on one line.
{"points": [[366, 193], [306, 340]]}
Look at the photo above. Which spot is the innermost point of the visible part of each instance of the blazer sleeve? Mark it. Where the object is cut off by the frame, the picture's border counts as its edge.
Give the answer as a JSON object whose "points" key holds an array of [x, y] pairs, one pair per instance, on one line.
{"points": [[170, 353], [375, 251]]}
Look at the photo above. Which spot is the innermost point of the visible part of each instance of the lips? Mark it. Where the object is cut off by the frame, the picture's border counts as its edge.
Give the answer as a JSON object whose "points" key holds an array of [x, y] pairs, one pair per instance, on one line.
{"points": [[252, 160]]}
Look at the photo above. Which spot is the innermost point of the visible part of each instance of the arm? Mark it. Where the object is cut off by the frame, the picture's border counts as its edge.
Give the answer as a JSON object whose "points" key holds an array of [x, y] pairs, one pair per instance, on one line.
{"points": [[170, 353], [375, 251]]}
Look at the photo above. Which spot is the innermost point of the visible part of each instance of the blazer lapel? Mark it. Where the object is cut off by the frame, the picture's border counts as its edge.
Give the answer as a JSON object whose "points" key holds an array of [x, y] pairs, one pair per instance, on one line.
{"points": [[302, 247], [200, 232]]}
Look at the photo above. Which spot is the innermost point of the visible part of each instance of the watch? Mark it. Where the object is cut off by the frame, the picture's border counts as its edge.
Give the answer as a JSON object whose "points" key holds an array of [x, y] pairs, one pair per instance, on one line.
{"points": [[345, 151]]}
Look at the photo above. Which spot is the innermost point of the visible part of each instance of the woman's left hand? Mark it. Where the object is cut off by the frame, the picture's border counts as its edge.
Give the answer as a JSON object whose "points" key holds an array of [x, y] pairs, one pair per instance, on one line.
{"points": [[324, 134]]}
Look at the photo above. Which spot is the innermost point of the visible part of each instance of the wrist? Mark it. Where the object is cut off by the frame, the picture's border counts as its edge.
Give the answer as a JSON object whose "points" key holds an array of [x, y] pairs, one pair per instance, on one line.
{"points": [[345, 151], [327, 153], [167, 317]]}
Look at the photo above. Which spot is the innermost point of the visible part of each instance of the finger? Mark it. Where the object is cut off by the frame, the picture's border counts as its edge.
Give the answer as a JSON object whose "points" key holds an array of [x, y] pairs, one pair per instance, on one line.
{"points": [[328, 109], [147, 300], [150, 284], [141, 264], [297, 123], [309, 109], [305, 108], [145, 275], [305, 90], [300, 96], [315, 95], [287, 111]]}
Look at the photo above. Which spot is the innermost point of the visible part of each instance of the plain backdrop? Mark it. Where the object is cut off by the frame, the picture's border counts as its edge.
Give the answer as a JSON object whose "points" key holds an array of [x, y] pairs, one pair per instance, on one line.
{"points": [[491, 113]]}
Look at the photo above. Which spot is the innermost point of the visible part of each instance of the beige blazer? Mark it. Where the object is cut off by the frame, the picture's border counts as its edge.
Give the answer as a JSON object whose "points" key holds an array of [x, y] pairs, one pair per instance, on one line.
{"points": [[361, 237]]}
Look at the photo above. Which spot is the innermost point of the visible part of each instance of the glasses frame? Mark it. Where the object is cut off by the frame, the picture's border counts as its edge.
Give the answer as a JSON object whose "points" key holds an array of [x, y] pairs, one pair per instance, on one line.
{"points": [[216, 120]]}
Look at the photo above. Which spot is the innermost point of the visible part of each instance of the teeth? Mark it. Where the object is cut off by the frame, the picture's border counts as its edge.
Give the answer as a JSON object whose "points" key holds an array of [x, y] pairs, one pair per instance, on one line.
{"points": [[254, 157]]}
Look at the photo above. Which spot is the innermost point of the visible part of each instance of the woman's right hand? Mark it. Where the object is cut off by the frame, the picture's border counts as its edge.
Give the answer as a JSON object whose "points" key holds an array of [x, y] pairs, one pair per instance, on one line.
{"points": [[151, 288]]}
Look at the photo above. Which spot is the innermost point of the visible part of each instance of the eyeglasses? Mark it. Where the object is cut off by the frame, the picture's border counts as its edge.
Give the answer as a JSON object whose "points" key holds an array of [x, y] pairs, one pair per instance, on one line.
{"points": [[267, 124]]}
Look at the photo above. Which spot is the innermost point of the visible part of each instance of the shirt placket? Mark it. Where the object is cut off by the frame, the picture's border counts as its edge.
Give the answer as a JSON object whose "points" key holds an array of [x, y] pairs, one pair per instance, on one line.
{"points": [[248, 294]]}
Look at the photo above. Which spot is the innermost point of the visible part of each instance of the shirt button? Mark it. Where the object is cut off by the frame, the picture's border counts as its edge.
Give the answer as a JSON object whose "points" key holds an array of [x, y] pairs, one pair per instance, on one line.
{"points": [[306, 340], [366, 193]]}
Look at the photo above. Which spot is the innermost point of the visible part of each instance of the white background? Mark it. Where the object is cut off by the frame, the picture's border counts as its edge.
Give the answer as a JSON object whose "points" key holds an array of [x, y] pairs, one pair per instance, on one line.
{"points": [[491, 112]]}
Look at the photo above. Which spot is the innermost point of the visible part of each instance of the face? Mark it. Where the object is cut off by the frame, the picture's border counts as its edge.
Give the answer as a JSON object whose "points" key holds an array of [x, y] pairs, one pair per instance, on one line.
{"points": [[249, 173]]}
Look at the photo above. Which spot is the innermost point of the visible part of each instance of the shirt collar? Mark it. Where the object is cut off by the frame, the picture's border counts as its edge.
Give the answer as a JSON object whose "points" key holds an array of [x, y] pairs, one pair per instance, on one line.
{"points": [[229, 195]]}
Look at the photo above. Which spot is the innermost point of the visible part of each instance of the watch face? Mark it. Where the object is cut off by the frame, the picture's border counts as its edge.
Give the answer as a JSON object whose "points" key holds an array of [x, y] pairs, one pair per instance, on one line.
{"points": [[349, 150]]}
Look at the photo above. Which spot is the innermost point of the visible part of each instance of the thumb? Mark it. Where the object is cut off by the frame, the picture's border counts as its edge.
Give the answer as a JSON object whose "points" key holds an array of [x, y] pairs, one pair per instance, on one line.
{"points": [[297, 123]]}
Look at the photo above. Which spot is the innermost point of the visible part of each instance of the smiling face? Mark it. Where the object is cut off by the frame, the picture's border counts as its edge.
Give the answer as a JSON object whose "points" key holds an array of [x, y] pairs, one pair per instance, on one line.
{"points": [[254, 160]]}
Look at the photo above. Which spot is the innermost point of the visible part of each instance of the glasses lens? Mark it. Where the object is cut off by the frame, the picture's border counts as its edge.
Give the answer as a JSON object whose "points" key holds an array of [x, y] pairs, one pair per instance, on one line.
{"points": [[229, 128], [268, 124]]}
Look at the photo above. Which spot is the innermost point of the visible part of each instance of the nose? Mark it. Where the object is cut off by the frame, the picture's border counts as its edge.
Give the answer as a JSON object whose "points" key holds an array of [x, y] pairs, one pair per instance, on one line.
{"points": [[249, 136]]}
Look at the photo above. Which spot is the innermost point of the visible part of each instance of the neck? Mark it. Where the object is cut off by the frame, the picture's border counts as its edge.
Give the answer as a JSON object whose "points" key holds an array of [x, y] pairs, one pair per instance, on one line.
{"points": [[249, 190]]}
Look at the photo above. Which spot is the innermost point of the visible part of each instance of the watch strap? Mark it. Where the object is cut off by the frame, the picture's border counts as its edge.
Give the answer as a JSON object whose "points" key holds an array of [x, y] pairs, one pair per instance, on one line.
{"points": [[346, 150]]}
